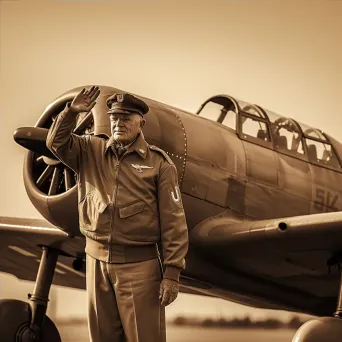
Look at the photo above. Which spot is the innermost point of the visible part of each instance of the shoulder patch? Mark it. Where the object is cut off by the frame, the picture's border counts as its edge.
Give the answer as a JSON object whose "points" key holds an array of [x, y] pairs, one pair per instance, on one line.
{"points": [[166, 156]]}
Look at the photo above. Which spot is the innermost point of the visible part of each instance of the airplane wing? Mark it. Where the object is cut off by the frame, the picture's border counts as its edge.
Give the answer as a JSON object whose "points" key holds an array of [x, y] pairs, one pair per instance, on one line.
{"points": [[299, 232], [298, 257], [20, 251], [278, 263]]}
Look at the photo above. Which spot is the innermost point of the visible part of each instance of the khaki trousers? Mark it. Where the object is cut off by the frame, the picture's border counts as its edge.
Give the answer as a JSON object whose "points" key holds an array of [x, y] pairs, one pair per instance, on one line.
{"points": [[123, 301]]}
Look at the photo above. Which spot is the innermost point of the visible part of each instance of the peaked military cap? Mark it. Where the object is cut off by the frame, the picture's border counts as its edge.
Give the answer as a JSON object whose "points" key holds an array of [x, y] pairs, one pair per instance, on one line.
{"points": [[126, 103]]}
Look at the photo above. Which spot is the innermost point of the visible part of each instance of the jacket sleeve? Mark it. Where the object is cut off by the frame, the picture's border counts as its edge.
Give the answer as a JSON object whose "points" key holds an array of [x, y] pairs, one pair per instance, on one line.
{"points": [[174, 232], [65, 145]]}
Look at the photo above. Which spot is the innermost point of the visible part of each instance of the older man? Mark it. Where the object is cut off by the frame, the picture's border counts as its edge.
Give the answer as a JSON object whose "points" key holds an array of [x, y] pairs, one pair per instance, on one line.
{"points": [[129, 201]]}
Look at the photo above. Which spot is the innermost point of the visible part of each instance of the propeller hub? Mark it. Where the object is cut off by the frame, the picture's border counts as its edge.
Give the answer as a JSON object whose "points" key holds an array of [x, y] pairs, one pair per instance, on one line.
{"points": [[50, 161]]}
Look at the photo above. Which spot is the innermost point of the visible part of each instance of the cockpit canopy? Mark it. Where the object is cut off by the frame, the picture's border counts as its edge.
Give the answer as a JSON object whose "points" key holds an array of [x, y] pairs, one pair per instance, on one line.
{"points": [[264, 127]]}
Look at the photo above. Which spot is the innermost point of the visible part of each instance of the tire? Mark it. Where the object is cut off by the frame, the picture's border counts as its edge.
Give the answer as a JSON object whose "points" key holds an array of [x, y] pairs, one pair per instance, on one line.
{"points": [[15, 318]]}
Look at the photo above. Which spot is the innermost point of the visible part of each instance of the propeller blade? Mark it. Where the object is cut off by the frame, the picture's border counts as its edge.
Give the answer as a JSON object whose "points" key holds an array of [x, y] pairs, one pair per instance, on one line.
{"points": [[40, 160], [56, 178], [84, 123], [34, 139], [68, 179], [44, 176]]}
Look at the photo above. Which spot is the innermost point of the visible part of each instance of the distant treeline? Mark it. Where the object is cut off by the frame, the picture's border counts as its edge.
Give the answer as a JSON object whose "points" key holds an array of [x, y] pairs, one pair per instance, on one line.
{"points": [[294, 323]]}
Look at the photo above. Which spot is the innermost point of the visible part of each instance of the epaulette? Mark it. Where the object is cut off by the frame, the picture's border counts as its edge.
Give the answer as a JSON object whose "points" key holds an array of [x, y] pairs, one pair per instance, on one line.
{"points": [[167, 157]]}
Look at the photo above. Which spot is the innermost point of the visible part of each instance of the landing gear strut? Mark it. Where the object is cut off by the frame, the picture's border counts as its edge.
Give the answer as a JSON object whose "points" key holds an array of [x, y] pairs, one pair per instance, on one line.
{"points": [[338, 312], [23, 322], [323, 329]]}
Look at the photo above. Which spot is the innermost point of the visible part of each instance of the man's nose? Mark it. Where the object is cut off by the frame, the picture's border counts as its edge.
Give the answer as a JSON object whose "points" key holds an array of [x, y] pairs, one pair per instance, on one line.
{"points": [[120, 122]]}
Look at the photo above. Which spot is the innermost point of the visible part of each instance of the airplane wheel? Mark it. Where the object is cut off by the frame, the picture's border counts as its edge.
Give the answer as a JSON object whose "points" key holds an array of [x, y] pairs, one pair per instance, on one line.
{"points": [[327, 329], [15, 318]]}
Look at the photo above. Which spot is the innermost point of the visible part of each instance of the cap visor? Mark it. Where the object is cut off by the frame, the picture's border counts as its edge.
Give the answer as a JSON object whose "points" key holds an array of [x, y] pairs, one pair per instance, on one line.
{"points": [[119, 111]]}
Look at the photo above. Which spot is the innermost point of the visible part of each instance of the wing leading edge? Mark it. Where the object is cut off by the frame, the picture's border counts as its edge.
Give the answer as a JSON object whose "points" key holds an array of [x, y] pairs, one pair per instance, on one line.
{"points": [[20, 250]]}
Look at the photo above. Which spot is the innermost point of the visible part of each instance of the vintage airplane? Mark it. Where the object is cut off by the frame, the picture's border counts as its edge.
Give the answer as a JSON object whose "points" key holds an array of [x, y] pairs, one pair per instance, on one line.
{"points": [[262, 197]]}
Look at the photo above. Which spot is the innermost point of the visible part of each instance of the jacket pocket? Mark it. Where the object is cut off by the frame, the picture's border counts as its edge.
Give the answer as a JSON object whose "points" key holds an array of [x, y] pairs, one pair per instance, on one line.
{"points": [[131, 209], [91, 212], [138, 222]]}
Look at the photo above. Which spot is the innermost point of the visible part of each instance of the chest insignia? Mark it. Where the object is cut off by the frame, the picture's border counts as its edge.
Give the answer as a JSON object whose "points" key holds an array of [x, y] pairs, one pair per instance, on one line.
{"points": [[140, 168]]}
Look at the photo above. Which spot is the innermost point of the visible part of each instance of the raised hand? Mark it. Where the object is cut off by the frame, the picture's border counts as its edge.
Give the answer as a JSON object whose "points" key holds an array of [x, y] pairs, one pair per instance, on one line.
{"points": [[84, 101], [168, 291]]}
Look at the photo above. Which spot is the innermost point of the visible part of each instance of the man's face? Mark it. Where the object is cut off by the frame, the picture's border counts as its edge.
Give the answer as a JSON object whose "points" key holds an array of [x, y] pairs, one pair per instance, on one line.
{"points": [[125, 127]]}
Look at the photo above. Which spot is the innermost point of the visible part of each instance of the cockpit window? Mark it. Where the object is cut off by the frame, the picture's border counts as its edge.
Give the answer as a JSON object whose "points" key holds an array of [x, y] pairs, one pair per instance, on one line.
{"points": [[312, 132], [220, 109], [254, 128], [261, 126], [251, 109], [321, 153], [287, 136], [254, 123], [230, 119], [212, 111]]}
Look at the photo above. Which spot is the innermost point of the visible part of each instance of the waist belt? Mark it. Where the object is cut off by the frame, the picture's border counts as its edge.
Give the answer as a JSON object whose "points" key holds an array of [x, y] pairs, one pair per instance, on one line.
{"points": [[116, 253], [137, 253]]}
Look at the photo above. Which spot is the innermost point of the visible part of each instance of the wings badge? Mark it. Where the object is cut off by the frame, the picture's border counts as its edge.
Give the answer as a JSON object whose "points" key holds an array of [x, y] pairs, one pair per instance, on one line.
{"points": [[140, 168]]}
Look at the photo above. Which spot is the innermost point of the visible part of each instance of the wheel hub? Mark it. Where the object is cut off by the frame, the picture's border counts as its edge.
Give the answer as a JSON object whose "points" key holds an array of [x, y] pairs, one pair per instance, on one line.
{"points": [[25, 334]]}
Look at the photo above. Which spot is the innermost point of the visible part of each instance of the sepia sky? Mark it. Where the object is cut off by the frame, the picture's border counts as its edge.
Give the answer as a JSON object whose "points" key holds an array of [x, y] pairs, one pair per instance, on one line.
{"points": [[284, 55]]}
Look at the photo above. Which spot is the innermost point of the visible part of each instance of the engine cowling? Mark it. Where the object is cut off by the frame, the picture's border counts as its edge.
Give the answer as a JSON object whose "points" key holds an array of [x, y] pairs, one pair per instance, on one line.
{"points": [[50, 185]]}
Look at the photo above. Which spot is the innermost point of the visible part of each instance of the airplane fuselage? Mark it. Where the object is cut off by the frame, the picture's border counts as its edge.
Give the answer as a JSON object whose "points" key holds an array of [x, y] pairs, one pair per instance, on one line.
{"points": [[252, 166]]}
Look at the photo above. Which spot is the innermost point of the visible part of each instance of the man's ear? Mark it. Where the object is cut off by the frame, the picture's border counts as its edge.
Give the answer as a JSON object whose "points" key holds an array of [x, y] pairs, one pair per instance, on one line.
{"points": [[142, 122]]}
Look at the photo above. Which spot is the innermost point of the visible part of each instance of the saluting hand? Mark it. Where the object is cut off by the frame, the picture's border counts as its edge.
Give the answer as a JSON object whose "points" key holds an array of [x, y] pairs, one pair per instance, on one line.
{"points": [[84, 101], [168, 291]]}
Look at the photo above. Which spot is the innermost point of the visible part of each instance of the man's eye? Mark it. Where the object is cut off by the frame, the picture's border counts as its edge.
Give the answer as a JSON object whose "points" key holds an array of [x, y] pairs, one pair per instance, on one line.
{"points": [[125, 119]]}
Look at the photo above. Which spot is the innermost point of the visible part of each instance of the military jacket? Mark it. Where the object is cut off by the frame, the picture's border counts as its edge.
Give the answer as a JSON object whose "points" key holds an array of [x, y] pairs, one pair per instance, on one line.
{"points": [[126, 205]]}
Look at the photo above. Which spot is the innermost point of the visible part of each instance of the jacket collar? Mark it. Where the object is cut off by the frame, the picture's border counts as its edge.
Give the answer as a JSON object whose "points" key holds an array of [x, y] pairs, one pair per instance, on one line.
{"points": [[139, 145]]}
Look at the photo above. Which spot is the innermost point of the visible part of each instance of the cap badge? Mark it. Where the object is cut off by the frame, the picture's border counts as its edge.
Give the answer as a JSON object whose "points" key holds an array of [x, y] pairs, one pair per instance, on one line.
{"points": [[120, 97], [140, 168], [141, 150]]}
